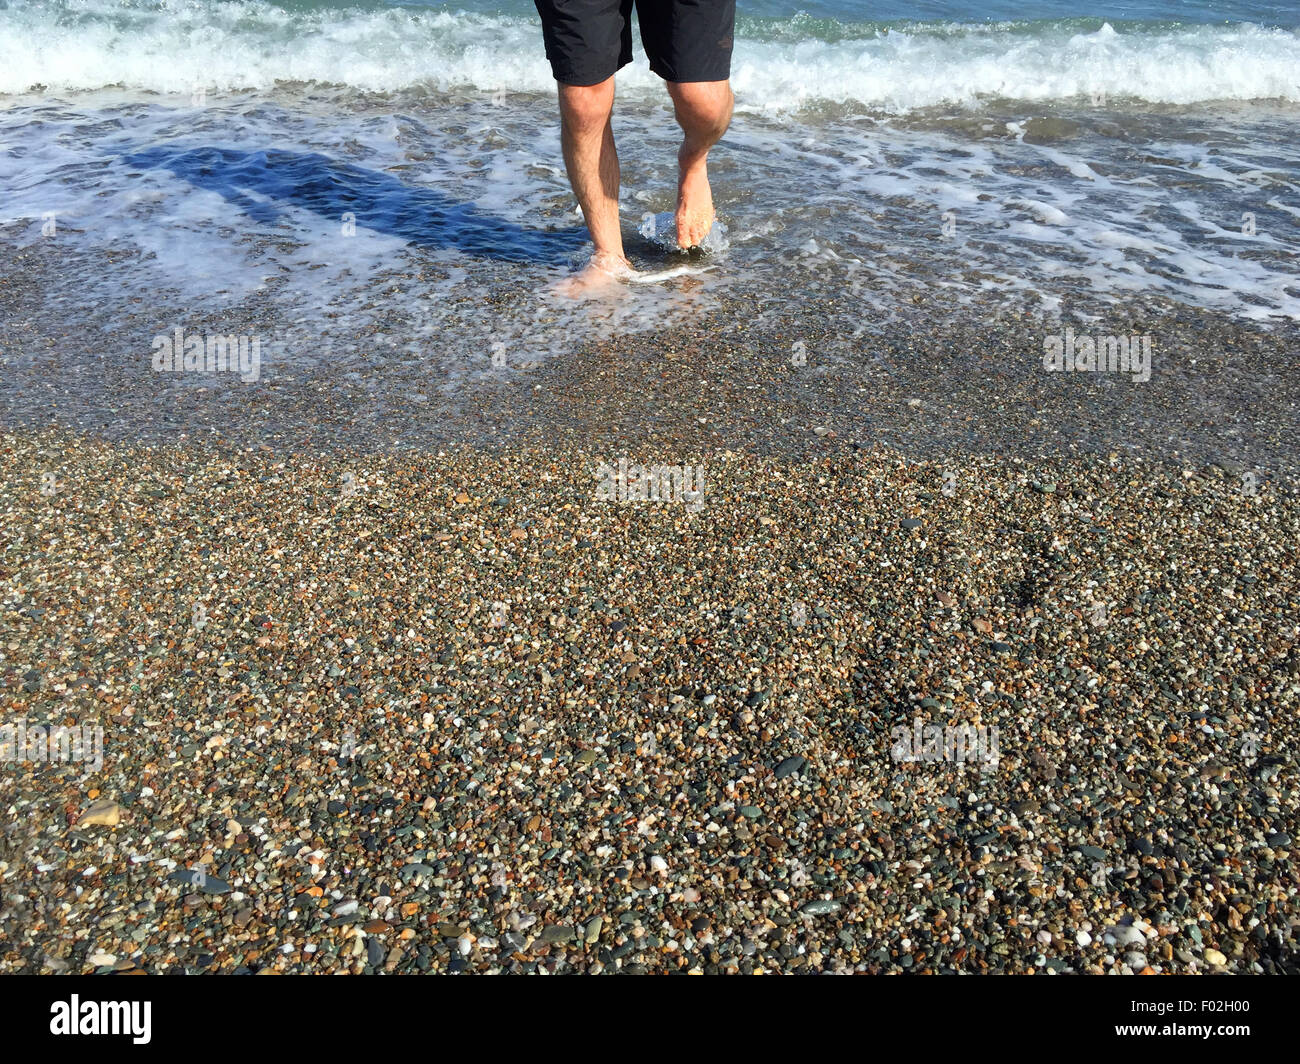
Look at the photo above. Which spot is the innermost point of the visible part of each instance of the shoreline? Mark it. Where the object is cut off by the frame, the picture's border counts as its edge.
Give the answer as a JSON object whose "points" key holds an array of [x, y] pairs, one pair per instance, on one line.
{"points": [[783, 378]]}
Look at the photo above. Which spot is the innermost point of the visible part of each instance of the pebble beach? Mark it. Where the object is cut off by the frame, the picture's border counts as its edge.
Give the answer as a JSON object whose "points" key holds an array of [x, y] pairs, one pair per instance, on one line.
{"points": [[453, 712], [904, 581]]}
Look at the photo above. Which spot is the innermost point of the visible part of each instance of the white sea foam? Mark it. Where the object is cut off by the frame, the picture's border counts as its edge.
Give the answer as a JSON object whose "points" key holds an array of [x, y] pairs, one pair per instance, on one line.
{"points": [[1044, 224], [170, 45]]}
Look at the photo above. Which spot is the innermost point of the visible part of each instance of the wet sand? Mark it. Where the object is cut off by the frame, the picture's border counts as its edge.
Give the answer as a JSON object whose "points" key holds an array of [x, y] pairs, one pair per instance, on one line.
{"points": [[794, 373]]}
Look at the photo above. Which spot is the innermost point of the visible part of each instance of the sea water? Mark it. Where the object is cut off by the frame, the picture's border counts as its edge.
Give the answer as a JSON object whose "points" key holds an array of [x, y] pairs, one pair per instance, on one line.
{"points": [[386, 176]]}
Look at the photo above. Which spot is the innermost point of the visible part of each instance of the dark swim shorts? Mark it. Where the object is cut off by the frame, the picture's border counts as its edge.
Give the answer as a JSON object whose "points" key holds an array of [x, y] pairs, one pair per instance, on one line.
{"points": [[686, 40]]}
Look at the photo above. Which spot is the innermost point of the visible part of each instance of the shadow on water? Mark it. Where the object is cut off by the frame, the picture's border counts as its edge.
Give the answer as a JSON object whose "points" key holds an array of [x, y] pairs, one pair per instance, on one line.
{"points": [[423, 216]]}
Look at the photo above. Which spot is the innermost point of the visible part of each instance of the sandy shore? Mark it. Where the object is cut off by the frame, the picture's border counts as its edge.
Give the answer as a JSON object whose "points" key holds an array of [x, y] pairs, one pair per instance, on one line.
{"points": [[451, 711]]}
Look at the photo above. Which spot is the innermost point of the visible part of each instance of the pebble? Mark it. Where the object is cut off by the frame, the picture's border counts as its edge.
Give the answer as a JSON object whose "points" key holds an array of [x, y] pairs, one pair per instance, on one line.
{"points": [[101, 812], [1126, 936], [385, 765], [789, 767]]}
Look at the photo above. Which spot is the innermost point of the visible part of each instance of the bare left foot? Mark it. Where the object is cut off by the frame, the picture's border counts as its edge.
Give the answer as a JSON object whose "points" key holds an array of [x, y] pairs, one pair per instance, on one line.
{"points": [[602, 273], [694, 206]]}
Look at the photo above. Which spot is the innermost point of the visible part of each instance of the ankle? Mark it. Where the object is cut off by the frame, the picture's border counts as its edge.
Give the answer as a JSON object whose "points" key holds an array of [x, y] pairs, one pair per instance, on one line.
{"points": [[692, 159], [611, 262]]}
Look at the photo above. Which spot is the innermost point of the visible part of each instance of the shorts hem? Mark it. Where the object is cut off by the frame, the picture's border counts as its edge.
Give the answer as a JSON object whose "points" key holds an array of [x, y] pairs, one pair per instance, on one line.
{"points": [[580, 79], [670, 75]]}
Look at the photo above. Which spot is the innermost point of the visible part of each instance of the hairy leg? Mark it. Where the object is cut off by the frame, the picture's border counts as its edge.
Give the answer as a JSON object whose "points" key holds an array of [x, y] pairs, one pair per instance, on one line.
{"points": [[587, 138]]}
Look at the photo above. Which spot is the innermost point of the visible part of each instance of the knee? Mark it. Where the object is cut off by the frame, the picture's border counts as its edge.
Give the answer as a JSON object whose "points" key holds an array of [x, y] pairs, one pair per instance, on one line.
{"points": [[703, 107], [586, 108]]}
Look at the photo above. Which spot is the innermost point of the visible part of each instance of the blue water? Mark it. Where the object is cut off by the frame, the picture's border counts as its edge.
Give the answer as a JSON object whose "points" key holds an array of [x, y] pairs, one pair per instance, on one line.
{"points": [[1268, 14], [1261, 12], [1029, 10]]}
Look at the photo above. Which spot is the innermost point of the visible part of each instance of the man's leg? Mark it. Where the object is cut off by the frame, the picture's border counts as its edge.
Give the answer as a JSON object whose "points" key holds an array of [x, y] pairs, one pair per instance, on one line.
{"points": [[703, 111], [587, 138]]}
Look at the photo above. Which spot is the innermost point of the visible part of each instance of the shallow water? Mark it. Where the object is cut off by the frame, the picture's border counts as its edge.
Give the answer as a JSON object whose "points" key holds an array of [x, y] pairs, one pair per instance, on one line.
{"points": [[379, 188], [314, 196], [306, 151]]}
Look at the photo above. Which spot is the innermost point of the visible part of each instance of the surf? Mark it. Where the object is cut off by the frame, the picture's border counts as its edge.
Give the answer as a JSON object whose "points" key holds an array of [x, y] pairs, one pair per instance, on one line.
{"points": [[781, 64]]}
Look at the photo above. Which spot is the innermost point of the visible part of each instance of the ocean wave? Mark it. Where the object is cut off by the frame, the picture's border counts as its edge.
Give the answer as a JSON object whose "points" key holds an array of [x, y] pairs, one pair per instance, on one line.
{"points": [[169, 46]]}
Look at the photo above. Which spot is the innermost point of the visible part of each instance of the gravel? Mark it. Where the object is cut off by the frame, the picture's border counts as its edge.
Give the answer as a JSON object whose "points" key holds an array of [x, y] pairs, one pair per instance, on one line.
{"points": [[469, 718]]}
